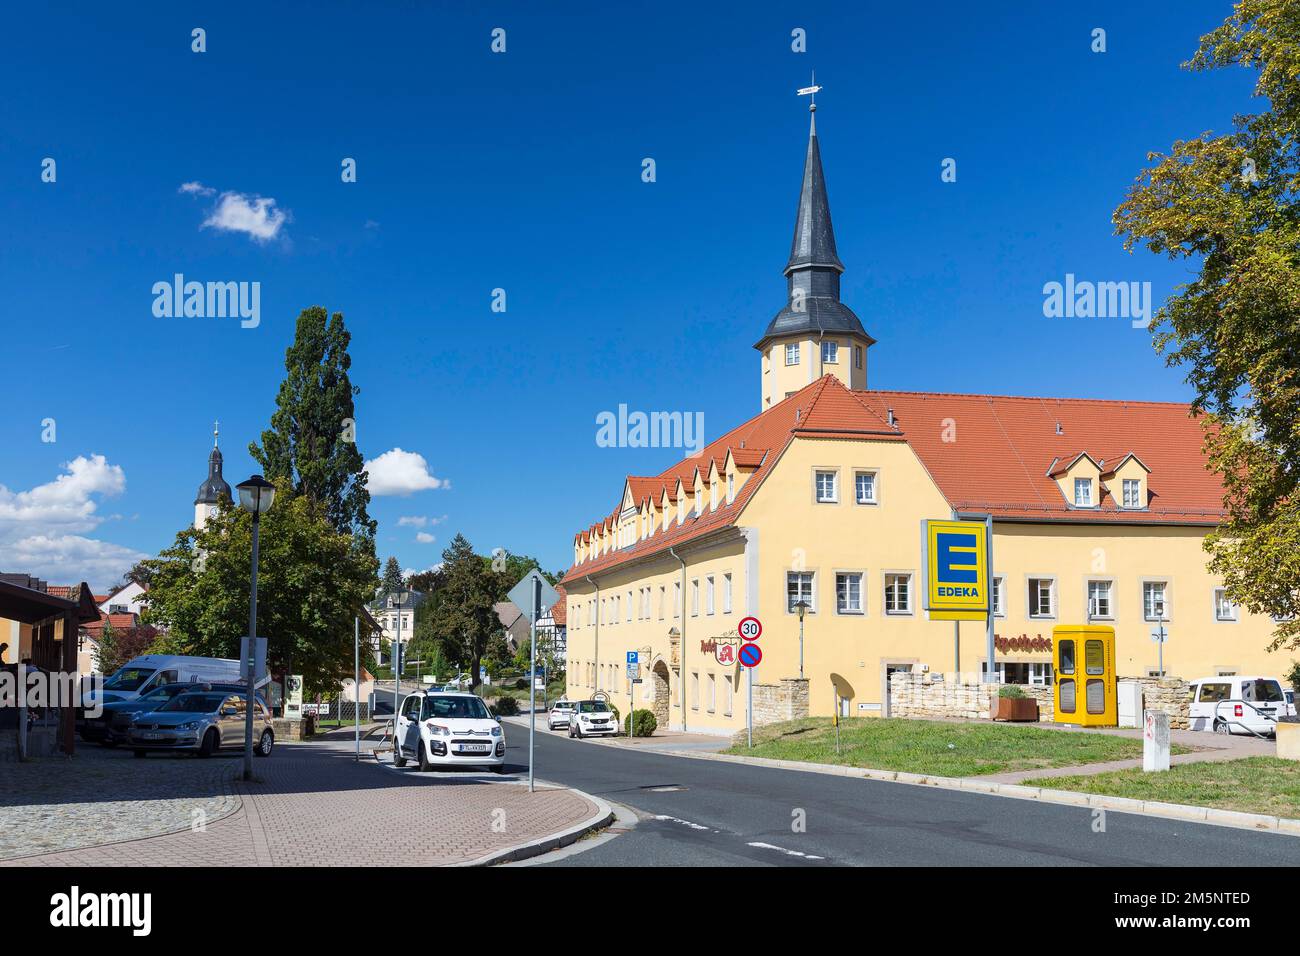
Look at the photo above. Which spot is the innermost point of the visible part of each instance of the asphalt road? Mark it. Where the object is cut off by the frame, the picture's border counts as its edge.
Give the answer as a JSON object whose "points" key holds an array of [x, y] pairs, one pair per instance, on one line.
{"points": [[711, 813]]}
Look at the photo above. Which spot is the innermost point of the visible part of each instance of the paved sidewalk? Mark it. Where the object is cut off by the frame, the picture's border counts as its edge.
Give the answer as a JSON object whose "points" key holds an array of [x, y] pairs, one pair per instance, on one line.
{"points": [[314, 805]]}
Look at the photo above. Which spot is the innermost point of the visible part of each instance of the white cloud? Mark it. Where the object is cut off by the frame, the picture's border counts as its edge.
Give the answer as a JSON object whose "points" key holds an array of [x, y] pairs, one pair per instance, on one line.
{"points": [[255, 216], [418, 521], [197, 189], [42, 531], [425, 538], [401, 473]]}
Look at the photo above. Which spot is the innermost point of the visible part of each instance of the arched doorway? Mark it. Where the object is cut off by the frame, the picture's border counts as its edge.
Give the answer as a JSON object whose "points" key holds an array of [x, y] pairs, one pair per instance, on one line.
{"points": [[662, 691]]}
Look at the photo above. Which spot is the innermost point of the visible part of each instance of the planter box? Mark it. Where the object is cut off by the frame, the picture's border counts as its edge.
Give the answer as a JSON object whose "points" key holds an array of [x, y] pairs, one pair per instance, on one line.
{"points": [[1014, 708]]}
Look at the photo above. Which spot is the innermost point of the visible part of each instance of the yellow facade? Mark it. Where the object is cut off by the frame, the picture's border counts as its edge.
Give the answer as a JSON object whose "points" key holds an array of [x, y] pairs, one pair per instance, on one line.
{"points": [[793, 362], [783, 529]]}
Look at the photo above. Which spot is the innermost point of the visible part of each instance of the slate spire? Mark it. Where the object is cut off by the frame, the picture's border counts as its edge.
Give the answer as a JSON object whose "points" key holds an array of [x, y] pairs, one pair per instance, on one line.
{"points": [[814, 238]]}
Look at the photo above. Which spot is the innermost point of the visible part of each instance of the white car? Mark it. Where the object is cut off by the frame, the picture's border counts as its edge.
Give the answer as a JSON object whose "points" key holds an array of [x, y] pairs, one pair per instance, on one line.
{"points": [[558, 716], [442, 729], [1237, 705], [591, 718]]}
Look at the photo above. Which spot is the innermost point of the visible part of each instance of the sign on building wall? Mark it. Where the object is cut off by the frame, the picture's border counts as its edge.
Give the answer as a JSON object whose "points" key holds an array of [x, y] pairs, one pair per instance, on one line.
{"points": [[955, 559]]}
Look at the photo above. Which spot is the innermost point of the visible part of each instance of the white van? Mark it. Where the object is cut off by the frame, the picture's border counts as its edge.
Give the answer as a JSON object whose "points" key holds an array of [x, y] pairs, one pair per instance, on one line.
{"points": [[1237, 705], [142, 674]]}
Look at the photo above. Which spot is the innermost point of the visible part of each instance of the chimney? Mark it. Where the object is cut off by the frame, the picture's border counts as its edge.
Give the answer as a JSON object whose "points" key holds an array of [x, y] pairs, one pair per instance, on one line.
{"points": [[891, 416]]}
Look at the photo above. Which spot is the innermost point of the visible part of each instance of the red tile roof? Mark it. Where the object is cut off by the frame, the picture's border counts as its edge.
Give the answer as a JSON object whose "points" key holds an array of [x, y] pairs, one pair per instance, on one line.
{"points": [[987, 454], [560, 609]]}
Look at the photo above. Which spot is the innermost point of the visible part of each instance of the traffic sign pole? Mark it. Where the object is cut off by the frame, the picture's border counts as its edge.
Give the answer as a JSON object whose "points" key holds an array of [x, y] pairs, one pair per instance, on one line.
{"points": [[749, 708], [532, 683]]}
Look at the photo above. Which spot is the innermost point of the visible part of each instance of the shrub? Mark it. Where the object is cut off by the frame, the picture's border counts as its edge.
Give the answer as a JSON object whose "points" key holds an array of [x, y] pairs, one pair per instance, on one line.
{"points": [[1012, 691], [506, 707], [643, 723], [521, 684]]}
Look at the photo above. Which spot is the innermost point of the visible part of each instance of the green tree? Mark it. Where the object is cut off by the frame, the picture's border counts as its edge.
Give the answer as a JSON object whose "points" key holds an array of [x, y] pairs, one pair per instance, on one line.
{"points": [[312, 438], [462, 616], [312, 580], [117, 647], [1227, 204], [392, 580]]}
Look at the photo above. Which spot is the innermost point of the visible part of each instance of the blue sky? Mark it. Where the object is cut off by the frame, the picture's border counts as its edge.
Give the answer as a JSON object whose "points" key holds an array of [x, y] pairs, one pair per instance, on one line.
{"points": [[522, 171]]}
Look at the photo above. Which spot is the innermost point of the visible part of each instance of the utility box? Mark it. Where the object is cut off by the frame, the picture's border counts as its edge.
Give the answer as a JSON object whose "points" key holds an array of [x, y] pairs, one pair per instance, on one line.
{"points": [[1084, 657], [1130, 702], [1155, 741]]}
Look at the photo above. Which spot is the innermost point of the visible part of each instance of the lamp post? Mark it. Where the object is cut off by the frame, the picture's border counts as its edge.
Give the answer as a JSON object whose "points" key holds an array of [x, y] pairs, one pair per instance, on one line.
{"points": [[256, 495], [400, 596], [802, 607]]}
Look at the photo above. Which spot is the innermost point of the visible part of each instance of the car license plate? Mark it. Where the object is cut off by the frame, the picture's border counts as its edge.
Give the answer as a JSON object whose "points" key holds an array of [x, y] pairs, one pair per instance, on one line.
{"points": [[151, 736], [473, 748]]}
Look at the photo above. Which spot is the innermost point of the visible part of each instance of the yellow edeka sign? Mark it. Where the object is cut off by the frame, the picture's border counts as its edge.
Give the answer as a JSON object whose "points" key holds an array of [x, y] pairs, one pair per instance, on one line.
{"points": [[956, 570]]}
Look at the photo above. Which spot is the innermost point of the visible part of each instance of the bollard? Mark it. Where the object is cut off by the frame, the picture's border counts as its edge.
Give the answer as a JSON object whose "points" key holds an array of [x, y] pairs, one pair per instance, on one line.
{"points": [[1155, 741]]}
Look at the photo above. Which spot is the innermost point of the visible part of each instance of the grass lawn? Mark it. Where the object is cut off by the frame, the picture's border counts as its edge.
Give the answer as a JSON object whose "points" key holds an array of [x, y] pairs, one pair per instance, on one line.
{"points": [[1252, 784], [936, 747]]}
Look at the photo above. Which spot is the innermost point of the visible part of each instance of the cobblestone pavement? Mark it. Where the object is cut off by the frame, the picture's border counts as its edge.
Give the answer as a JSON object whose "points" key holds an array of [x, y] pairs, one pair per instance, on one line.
{"points": [[104, 796], [313, 805]]}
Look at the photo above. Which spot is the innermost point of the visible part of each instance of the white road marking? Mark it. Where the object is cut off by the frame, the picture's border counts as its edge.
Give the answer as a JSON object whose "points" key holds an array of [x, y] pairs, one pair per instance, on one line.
{"points": [[685, 823], [781, 849]]}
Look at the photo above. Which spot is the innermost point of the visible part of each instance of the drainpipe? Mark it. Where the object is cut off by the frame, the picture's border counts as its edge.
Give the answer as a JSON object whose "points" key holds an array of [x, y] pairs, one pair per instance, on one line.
{"points": [[596, 606], [682, 681]]}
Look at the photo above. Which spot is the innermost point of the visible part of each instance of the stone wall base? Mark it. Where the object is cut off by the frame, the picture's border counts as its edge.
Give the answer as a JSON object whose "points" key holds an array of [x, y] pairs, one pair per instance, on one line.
{"points": [[786, 700]]}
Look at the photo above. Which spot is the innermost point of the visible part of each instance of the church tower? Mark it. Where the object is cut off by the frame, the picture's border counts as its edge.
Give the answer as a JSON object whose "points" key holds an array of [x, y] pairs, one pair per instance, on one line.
{"points": [[214, 488], [815, 334]]}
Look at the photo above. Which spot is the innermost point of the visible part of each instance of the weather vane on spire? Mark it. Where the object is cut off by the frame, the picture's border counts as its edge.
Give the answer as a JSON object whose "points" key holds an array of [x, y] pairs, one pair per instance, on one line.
{"points": [[811, 91], [216, 430]]}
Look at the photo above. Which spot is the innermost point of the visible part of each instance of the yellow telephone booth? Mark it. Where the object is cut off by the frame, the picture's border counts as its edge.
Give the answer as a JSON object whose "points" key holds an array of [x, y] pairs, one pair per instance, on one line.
{"points": [[1083, 657]]}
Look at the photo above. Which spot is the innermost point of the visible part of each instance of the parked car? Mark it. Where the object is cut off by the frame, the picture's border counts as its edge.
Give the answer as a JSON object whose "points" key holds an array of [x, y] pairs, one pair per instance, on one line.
{"points": [[113, 726], [1237, 705], [441, 729], [591, 718], [558, 716], [1290, 703], [203, 722], [140, 675]]}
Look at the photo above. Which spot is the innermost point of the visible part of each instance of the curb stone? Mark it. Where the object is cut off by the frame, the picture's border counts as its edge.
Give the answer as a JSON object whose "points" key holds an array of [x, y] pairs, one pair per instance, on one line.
{"points": [[602, 818], [1150, 808]]}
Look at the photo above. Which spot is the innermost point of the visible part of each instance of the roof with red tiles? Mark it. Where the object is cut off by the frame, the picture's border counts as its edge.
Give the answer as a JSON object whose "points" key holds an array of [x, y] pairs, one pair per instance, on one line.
{"points": [[992, 453], [560, 609], [986, 453]]}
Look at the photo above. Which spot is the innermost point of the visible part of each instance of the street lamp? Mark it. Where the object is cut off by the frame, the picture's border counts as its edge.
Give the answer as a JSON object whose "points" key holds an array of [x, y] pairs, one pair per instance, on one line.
{"points": [[256, 495], [802, 607], [400, 596]]}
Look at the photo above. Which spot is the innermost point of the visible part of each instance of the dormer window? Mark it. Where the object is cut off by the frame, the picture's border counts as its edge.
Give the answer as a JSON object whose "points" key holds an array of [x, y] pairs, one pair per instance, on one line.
{"points": [[731, 488], [713, 496], [1132, 493], [1083, 492]]}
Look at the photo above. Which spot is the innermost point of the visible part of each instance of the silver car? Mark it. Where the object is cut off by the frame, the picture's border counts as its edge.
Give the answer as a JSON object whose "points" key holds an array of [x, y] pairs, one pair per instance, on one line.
{"points": [[202, 722]]}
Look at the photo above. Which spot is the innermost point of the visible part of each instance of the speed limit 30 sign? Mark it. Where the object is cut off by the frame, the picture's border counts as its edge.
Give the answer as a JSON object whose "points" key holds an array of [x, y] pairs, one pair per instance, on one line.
{"points": [[750, 629]]}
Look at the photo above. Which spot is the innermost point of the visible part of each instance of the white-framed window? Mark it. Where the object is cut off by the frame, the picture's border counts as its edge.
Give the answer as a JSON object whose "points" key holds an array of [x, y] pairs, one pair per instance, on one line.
{"points": [[1025, 673], [792, 353], [1132, 493], [864, 487], [1224, 608], [848, 592], [828, 491], [1154, 604], [857, 355], [1041, 603], [1083, 492], [629, 607], [731, 487], [663, 599], [677, 599], [695, 690], [830, 353], [1100, 600], [728, 695], [799, 587], [713, 692], [898, 592], [999, 595], [695, 597], [713, 496], [726, 593], [708, 595]]}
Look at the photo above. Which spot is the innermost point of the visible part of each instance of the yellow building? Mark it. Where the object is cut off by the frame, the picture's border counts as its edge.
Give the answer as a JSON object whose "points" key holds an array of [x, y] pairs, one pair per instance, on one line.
{"points": [[1099, 505]]}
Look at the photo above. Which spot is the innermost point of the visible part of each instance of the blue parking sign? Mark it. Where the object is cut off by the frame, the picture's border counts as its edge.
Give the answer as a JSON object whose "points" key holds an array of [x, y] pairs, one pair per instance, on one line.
{"points": [[631, 657]]}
